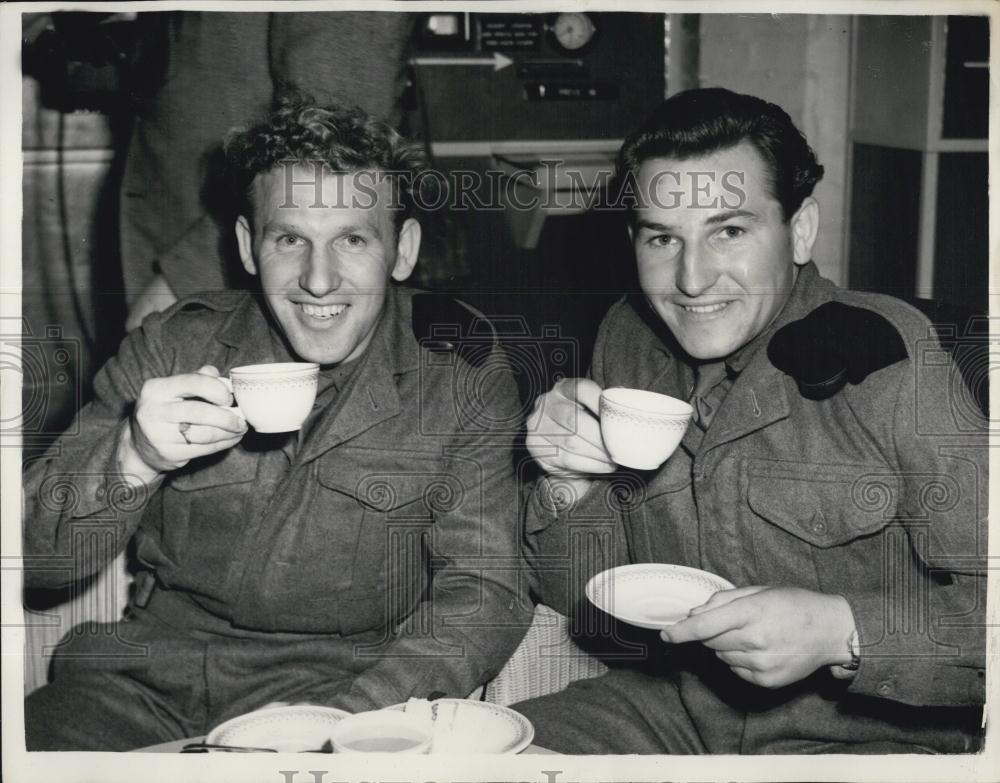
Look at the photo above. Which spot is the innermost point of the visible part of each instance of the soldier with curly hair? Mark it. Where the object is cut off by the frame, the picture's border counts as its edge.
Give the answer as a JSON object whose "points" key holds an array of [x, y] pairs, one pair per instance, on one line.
{"points": [[370, 556]]}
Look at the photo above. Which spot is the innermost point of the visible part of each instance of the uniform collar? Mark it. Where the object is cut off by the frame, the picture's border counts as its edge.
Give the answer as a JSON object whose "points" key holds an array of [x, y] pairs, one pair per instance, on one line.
{"points": [[759, 395], [371, 393], [805, 296]]}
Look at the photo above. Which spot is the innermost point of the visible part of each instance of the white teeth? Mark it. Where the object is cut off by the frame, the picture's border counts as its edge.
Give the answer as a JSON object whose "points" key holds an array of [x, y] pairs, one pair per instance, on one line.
{"points": [[323, 311], [705, 308]]}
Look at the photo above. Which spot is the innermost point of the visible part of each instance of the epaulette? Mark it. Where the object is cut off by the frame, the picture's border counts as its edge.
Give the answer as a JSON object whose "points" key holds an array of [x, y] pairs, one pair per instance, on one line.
{"points": [[445, 325], [833, 345]]}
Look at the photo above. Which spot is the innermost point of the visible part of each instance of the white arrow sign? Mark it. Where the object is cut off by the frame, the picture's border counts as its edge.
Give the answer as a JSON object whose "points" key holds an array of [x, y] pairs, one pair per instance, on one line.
{"points": [[498, 61]]}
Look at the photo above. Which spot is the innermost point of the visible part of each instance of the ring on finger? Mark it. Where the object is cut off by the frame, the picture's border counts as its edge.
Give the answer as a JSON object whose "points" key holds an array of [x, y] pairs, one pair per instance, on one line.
{"points": [[183, 428]]}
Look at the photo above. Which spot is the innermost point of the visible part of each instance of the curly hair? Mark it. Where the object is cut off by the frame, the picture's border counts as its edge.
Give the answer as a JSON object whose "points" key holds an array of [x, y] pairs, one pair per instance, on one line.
{"points": [[342, 138], [699, 122]]}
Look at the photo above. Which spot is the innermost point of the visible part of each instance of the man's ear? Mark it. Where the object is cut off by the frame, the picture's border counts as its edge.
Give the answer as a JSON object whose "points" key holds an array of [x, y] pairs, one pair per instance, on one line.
{"points": [[244, 238], [407, 250], [805, 226]]}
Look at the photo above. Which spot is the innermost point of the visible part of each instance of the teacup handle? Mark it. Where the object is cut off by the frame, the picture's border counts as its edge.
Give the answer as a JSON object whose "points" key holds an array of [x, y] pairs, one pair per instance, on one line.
{"points": [[235, 408]]}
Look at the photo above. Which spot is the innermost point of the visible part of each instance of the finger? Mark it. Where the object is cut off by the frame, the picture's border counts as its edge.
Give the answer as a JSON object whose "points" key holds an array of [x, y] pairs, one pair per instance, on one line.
{"points": [[582, 391], [565, 463], [711, 623], [203, 413], [580, 447], [193, 384], [208, 369], [576, 421], [564, 423], [723, 597], [203, 435], [737, 659]]}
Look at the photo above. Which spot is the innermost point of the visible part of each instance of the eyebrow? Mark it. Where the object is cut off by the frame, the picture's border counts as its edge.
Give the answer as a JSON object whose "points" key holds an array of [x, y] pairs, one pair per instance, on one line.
{"points": [[288, 228], [721, 217]]}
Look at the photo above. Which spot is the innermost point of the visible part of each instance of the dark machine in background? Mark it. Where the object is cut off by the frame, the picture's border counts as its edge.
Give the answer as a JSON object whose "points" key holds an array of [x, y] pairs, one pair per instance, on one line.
{"points": [[527, 107]]}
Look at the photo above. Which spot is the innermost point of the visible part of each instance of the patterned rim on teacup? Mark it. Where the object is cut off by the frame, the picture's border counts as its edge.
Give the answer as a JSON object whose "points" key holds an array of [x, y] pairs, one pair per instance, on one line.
{"points": [[654, 420], [681, 408], [277, 368], [617, 410], [255, 384]]}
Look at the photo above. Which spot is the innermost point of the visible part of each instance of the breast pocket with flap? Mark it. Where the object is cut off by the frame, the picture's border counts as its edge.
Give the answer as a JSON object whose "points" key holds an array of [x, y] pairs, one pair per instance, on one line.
{"points": [[811, 521]]}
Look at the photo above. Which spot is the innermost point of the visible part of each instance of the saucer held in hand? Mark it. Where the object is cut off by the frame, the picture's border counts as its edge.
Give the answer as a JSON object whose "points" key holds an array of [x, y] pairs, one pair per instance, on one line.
{"points": [[652, 595]]}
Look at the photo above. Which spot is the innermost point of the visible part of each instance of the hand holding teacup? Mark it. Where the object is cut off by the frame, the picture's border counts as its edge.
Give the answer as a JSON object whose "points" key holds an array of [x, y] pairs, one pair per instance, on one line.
{"points": [[564, 432], [181, 417], [176, 419], [577, 429]]}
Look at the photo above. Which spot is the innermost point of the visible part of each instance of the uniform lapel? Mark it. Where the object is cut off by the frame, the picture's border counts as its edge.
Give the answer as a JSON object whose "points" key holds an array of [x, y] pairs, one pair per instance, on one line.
{"points": [[758, 399], [248, 334], [759, 396]]}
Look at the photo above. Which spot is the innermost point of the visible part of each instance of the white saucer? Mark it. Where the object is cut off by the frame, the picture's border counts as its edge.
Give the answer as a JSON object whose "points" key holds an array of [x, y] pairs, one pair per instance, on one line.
{"points": [[499, 729], [291, 729], [652, 595]]}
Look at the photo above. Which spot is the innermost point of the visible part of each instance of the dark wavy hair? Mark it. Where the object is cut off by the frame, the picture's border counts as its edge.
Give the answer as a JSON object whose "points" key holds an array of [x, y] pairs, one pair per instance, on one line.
{"points": [[342, 138], [699, 122]]}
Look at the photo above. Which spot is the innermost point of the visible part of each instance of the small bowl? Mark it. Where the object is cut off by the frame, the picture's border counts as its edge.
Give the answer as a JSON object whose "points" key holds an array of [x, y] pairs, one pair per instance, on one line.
{"points": [[381, 731]]}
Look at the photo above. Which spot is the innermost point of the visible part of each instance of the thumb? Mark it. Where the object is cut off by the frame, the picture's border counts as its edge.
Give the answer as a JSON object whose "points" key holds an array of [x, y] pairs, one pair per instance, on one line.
{"points": [[723, 597], [208, 369]]}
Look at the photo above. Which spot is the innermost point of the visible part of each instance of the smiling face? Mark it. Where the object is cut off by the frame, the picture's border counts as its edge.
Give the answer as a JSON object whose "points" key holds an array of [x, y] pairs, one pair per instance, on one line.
{"points": [[716, 259], [325, 269]]}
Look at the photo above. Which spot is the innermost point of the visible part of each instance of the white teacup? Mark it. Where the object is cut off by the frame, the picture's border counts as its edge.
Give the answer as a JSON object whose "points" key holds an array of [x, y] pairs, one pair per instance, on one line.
{"points": [[381, 731], [641, 429], [274, 397]]}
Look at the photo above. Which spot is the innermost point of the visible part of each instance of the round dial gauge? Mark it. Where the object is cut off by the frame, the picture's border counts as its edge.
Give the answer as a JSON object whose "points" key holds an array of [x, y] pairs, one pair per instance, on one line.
{"points": [[573, 31]]}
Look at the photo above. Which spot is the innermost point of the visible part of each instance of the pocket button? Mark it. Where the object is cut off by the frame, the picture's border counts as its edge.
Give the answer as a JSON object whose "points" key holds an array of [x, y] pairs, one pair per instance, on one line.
{"points": [[885, 688]]}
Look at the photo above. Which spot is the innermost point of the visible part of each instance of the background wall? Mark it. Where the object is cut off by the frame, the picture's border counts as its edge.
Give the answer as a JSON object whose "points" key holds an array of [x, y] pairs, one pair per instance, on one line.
{"points": [[72, 313], [802, 63]]}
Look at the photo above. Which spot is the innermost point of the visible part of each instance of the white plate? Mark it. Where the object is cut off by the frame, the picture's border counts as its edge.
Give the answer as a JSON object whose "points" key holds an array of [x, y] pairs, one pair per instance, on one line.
{"points": [[291, 729], [652, 595], [498, 729]]}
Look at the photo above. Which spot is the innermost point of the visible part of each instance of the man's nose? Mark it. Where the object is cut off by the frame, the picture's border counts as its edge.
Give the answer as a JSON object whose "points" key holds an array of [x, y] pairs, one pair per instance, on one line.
{"points": [[321, 273], [696, 271]]}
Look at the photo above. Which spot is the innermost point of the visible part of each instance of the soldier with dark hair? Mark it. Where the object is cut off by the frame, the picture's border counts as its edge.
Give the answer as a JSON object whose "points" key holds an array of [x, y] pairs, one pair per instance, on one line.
{"points": [[829, 474]]}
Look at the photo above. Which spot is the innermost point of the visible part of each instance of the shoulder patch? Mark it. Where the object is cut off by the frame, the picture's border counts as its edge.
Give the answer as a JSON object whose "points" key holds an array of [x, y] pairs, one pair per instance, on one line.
{"points": [[445, 325], [833, 345]]}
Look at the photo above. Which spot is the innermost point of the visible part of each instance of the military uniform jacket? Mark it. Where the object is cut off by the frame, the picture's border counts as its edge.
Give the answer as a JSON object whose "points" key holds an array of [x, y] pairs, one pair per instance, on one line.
{"points": [[400, 503], [878, 493]]}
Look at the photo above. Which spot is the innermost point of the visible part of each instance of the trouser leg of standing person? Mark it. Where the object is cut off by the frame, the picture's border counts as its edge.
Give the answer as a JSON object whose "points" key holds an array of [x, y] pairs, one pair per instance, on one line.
{"points": [[119, 687], [623, 711]]}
